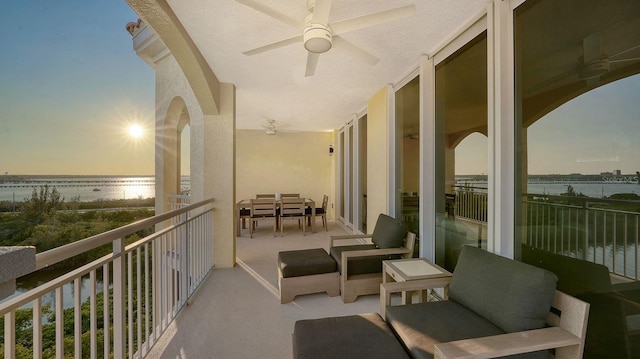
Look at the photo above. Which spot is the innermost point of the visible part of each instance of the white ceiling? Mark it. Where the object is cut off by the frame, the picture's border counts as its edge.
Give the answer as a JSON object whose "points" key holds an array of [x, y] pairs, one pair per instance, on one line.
{"points": [[272, 85]]}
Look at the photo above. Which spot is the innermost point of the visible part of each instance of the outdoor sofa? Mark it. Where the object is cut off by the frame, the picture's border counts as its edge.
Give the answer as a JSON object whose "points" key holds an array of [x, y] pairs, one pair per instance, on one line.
{"points": [[495, 307]]}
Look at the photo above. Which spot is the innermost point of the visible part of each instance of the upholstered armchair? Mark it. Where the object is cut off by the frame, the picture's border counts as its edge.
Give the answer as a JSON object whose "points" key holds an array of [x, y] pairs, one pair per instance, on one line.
{"points": [[360, 265]]}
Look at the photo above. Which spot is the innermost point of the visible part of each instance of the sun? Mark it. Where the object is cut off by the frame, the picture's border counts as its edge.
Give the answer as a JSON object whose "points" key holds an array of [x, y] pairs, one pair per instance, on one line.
{"points": [[136, 131]]}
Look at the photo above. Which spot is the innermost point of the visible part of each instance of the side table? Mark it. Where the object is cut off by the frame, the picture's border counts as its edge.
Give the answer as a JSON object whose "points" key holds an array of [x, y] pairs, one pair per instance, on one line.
{"points": [[402, 270]]}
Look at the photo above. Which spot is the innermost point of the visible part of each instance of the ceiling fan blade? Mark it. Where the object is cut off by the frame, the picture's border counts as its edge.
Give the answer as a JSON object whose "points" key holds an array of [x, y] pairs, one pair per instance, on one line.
{"points": [[275, 45], [552, 80], [353, 50], [624, 60], [257, 5], [321, 11], [373, 19], [623, 52], [312, 62]]}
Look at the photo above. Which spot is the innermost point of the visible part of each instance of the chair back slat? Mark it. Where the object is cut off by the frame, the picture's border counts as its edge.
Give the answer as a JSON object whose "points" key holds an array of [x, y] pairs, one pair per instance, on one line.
{"points": [[266, 196], [292, 206], [263, 207], [290, 195]]}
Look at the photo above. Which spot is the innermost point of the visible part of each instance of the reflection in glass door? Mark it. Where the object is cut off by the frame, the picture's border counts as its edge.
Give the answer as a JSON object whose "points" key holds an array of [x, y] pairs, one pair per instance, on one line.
{"points": [[407, 117], [577, 189], [461, 130], [361, 191], [345, 209], [341, 175]]}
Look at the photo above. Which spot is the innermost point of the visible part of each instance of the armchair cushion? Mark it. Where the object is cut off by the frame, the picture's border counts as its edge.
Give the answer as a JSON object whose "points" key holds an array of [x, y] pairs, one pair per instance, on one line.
{"points": [[421, 326], [362, 265], [512, 295], [388, 232]]}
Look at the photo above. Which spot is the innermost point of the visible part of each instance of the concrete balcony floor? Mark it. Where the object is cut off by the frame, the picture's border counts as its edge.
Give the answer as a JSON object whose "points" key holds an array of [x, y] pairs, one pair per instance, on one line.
{"points": [[237, 311]]}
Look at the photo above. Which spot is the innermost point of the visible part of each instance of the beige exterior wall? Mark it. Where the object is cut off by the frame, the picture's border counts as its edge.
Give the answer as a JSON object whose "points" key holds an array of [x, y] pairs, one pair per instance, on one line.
{"points": [[175, 103], [296, 162], [377, 157]]}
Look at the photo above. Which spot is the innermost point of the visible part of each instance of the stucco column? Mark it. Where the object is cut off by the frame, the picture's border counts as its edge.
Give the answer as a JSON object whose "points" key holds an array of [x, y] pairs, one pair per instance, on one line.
{"points": [[219, 175]]}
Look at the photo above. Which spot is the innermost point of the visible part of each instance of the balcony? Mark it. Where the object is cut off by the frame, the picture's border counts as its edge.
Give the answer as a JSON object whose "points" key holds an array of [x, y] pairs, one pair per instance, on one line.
{"points": [[164, 304]]}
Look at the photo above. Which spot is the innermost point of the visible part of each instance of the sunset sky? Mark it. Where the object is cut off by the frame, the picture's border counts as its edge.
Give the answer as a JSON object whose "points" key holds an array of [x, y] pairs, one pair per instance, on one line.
{"points": [[593, 133], [70, 85]]}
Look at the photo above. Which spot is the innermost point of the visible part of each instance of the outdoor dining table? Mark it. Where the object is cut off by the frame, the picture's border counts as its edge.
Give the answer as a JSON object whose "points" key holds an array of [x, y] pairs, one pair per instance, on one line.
{"points": [[246, 204]]}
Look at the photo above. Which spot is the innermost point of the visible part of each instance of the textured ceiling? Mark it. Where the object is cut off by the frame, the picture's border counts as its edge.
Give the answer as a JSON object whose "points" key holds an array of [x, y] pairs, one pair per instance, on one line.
{"points": [[272, 85]]}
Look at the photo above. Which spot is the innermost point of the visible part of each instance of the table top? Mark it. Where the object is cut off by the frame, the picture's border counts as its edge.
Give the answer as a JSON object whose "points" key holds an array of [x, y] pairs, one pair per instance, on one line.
{"points": [[416, 268], [246, 202]]}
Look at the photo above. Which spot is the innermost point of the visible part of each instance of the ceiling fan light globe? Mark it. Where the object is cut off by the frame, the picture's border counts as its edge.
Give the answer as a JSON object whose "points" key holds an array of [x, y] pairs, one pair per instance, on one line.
{"points": [[317, 38]]}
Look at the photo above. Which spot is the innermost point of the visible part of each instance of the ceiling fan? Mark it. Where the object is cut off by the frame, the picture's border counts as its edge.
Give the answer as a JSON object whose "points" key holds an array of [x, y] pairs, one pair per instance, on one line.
{"points": [[591, 65], [319, 36], [270, 127]]}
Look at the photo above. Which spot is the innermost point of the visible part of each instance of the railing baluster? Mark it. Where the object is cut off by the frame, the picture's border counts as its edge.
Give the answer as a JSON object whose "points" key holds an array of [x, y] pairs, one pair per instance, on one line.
{"points": [[93, 315], [10, 335], [624, 260], [129, 300], [77, 318], [139, 299], [59, 324], [106, 298], [119, 280], [37, 328]]}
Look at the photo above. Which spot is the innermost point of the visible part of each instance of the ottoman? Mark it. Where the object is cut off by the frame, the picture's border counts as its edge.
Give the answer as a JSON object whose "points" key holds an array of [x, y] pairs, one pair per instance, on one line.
{"points": [[307, 271], [355, 336]]}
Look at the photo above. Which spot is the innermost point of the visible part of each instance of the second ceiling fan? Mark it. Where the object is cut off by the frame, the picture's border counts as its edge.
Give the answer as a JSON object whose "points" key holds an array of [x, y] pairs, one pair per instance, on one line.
{"points": [[319, 36]]}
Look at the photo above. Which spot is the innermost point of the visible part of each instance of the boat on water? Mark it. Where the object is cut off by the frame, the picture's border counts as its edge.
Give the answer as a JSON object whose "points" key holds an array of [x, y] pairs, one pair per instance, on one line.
{"points": [[96, 190]]}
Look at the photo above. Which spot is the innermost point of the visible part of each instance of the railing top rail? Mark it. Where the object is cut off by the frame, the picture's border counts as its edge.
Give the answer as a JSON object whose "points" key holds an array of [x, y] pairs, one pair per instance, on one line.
{"points": [[583, 199], [67, 251]]}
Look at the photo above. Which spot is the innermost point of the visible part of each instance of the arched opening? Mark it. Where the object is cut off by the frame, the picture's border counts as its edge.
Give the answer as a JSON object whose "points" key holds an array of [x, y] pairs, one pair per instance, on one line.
{"points": [[185, 160], [172, 146]]}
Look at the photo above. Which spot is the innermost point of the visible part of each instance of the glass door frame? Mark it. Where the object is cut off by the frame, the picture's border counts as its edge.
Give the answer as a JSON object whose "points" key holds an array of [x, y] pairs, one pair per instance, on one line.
{"points": [[429, 216], [349, 177]]}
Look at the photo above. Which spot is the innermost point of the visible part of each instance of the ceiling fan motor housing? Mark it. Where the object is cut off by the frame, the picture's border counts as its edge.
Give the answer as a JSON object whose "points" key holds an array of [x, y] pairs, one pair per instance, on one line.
{"points": [[317, 37], [594, 69]]}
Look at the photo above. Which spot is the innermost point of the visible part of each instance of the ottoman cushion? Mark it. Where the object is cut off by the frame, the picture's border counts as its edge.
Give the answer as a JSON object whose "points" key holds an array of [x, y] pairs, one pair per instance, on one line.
{"points": [[305, 262], [355, 336]]}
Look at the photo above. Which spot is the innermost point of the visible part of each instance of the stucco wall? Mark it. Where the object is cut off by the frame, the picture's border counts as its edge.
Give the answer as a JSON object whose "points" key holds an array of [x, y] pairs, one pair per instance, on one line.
{"points": [[377, 157], [288, 162]]}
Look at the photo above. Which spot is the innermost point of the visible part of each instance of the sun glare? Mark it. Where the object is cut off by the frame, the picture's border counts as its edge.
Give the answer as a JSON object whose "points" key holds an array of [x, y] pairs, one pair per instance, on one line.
{"points": [[135, 131]]}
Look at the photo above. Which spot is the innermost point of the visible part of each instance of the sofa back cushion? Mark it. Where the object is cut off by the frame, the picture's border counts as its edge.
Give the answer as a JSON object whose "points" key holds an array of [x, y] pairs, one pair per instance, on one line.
{"points": [[514, 296], [388, 232]]}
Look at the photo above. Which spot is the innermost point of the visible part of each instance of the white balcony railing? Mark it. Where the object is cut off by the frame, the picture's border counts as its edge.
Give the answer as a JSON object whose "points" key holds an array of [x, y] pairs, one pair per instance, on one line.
{"points": [[133, 293], [602, 231]]}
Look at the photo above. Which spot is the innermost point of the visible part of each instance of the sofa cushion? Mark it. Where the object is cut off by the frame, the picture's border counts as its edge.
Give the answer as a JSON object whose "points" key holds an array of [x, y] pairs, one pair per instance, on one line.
{"points": [[388, 232], [361, 265], [514, 296]]}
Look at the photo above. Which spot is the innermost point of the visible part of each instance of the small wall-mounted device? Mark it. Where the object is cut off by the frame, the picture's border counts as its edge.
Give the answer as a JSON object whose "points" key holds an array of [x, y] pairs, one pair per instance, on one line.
{"points": [[330, 150]]}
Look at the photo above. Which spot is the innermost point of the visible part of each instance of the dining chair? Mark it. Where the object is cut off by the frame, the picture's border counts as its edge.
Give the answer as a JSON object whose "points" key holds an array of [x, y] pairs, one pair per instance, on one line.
{"points": [[293, 208], [262, 209], [320, 211]]}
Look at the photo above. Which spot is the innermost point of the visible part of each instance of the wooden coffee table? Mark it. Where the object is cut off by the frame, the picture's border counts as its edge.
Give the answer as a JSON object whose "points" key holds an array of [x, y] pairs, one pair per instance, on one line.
{"points": [[402, 270]]}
